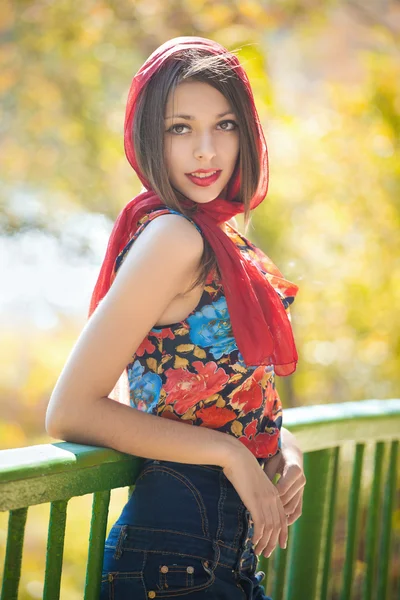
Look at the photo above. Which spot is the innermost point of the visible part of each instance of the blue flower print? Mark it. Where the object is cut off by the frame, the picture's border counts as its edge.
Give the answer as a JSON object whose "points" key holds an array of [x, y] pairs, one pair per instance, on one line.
{"points": [[145, 389], [211, 327]]}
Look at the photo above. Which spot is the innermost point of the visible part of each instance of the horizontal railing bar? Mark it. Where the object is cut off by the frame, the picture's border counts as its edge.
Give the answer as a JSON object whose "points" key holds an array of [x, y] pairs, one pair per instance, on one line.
{"points": [[47, 459], [65, 485], [326, 426], [331, 435], [52, 472], [342, 411]]}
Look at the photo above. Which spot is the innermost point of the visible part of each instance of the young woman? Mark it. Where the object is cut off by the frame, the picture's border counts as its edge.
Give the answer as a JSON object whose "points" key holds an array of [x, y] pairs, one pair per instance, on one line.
{"points": [[196, 317]]}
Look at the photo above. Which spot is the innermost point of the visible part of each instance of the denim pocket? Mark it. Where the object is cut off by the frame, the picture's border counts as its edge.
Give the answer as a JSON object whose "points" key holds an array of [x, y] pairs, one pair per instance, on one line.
{"points": [[122, 573], [169, 575], [119, 585]]}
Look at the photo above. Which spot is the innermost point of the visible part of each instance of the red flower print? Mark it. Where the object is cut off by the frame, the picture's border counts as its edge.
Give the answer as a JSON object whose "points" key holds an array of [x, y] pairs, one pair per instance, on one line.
{"points": [[184, 389], [249, 396], [251, 429], [271, 395], [258, 374], [261, 445], [145, 346], [163, 333], [215, 417]]}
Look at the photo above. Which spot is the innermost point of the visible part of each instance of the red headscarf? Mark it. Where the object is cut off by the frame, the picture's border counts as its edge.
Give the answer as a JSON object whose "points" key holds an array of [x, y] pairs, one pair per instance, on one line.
{"points": [[259, 321]]}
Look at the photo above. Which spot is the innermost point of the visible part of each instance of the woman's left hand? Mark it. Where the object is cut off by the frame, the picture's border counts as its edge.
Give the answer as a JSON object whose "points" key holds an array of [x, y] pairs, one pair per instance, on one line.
{"points": [[289, 464]]}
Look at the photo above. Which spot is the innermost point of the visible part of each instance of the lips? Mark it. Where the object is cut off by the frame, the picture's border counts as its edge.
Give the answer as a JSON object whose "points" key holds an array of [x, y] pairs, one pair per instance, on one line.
{"points": [[204, 181]]}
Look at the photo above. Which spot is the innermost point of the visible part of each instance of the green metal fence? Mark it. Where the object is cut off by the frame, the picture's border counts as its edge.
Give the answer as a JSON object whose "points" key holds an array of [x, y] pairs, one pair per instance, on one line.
{"points": [[335, 438]]}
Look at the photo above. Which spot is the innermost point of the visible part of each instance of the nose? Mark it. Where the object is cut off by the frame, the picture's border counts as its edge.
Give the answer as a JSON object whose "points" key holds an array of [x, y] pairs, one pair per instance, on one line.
{"points": [[204, 148]]}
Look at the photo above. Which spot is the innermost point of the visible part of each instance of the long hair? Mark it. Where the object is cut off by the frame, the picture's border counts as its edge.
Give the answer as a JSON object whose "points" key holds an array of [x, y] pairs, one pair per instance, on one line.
{"points": [[148, 131]]}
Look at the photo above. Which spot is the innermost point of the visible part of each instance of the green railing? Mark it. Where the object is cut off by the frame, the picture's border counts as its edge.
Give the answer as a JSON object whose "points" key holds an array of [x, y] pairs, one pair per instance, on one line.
{"points": [[335, 438]]}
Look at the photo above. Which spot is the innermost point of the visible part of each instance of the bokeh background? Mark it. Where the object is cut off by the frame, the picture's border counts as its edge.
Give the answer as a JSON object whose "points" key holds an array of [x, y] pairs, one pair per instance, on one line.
{"points": [[326, 79]]}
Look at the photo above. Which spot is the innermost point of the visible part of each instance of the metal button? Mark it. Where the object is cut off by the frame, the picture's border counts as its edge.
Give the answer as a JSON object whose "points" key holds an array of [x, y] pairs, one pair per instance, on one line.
{"points": [[164, 569], [190, 569], [151, 594]]}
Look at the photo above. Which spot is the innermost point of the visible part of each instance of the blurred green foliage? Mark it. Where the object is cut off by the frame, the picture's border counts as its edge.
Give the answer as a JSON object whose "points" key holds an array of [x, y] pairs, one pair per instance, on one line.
{"points": [[326, 83], [326, 79]]}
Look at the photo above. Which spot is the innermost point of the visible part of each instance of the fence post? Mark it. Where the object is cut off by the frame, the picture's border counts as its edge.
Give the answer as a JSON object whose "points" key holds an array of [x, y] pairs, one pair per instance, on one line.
{"points": [[306, 547]]}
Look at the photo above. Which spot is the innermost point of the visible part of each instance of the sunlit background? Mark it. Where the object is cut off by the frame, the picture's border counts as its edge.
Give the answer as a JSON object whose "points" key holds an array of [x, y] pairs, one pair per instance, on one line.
{"points": [[326, 79]]}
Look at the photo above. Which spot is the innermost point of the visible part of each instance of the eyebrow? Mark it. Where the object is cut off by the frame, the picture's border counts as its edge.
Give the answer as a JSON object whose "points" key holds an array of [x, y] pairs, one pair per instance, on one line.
{"points": [[190, 118]]}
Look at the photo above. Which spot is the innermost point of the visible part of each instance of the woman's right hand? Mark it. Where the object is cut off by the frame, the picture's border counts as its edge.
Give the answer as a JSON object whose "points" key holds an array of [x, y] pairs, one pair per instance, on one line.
{"points": [[261, 498]]}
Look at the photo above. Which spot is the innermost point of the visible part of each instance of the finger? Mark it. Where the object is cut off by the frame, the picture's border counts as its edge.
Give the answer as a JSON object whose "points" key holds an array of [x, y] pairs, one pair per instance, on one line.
{"points": [[269, 525], [264, 540], [290, 506], [273, 540], [296, 513], [274, 530], [284, 526], [290, 476], [288, 493], [259, 524], [281, 531]]}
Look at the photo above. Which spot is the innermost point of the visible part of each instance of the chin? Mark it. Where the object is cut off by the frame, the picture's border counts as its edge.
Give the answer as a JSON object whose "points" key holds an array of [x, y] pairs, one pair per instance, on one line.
{"points": [[204, 195], [200, 195], [204, 200]]}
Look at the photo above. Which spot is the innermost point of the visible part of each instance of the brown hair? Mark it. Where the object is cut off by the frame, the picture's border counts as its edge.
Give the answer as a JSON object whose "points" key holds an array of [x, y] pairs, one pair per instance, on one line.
{"points": [[148, 124]]}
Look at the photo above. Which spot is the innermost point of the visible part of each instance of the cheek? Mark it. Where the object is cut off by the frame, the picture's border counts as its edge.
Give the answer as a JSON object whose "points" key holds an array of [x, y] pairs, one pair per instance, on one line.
{"points": [[173, 156], [229, 148]]}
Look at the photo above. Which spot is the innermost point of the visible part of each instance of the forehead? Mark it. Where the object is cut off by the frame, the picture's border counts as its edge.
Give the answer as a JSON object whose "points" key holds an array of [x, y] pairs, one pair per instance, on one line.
{"points": [[196, 96]]}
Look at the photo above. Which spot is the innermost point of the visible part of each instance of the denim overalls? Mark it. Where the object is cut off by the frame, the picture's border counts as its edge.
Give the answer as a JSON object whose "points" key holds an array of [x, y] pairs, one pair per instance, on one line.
{"points": [[184, 532]]}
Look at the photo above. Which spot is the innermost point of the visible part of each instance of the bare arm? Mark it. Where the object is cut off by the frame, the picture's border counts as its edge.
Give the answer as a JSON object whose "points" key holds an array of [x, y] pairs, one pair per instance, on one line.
{"points": [[159, 265]]}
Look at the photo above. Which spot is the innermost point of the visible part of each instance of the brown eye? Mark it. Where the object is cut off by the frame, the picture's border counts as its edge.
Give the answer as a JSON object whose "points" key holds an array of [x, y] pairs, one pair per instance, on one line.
{"points": [[171, 129], [232, 123]]}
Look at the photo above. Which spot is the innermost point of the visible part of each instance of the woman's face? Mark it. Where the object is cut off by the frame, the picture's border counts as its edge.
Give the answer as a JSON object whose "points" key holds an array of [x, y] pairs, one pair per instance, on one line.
{"points": [[200, 139]]}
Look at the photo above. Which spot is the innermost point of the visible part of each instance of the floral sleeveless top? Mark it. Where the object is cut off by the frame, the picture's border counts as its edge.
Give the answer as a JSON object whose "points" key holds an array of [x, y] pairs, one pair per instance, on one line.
{"points": [[193, 371]]}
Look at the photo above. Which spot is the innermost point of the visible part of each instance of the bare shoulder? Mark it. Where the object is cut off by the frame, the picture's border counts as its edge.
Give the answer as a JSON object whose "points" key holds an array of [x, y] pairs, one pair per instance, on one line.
{"points": [[165, 256], [170, 236], [234, 223]]}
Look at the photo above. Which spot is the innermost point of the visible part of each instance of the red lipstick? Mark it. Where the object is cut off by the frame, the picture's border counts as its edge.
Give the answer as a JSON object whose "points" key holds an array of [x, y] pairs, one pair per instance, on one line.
{"points": [[204, 181]]}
